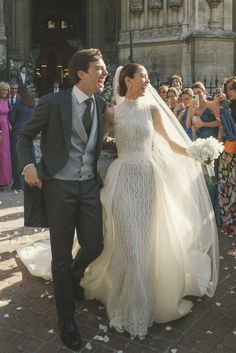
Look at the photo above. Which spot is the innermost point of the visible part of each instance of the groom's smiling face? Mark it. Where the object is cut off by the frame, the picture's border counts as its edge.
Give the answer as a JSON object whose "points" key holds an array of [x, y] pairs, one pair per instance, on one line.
{"points": [[93, 80]]}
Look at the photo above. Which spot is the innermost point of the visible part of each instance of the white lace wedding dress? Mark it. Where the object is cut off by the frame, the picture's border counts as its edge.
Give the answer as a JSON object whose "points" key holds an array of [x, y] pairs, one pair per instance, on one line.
{"points": [[154, 253], [160, 238]]}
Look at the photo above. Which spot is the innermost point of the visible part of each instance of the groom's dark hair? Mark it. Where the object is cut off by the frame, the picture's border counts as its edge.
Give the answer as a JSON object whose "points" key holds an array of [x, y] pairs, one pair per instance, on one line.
{"points": [[80, 61]]}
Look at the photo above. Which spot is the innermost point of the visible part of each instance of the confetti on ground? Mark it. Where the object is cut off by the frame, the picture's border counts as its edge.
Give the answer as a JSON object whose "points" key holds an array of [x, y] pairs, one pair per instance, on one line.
{"points": [[232, 292], [209, 332], [226, 268], [168, 328], [42, 295], [234, 333], [51, 331], [88, 346], [174, 350], [103, 328], [6, 315], [50, 296], [85, 310], [36, 230], [218, 304], [98, 338], [199, 300], [19, 308]]}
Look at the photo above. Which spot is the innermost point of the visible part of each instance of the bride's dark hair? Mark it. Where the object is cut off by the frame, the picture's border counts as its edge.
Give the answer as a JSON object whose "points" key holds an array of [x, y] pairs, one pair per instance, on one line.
{"points": [[127, 70]]}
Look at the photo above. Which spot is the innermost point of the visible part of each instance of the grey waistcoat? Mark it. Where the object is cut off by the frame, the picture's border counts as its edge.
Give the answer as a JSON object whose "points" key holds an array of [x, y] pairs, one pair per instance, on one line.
{"points": [[79, 165]]}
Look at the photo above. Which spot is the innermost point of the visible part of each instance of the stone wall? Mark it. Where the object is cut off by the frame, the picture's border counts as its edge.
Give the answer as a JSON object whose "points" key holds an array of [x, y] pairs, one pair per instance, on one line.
{"points": [[191, 38]]}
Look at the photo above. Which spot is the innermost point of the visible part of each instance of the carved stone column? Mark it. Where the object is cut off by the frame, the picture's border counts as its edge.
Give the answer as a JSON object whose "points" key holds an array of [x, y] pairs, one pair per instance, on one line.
{"points": [[214, 21], [155, 6], [136, 8], [175, 5], [3, 38]]}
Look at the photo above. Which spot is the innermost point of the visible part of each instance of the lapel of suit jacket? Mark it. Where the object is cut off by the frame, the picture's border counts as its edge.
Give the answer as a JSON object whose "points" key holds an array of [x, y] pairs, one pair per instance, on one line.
{"points": [[100, 124], [65, 103]]}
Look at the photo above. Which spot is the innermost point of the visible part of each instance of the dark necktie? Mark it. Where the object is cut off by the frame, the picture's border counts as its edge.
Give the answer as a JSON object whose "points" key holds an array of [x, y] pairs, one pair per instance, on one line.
{"points": [[87, 118], [12, 101]]}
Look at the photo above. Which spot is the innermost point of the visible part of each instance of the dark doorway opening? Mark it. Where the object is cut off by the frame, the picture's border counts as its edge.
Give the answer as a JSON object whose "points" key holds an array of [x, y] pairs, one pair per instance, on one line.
{"points": [[60, 30]]}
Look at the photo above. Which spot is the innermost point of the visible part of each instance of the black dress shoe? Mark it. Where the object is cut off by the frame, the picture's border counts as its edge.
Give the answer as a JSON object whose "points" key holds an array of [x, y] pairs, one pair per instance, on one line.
{"points": [[69, 333], [78, 292]]}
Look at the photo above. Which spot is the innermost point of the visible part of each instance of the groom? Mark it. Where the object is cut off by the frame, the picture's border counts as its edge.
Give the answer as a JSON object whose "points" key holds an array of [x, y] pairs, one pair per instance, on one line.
{"points": [[71, 126]]}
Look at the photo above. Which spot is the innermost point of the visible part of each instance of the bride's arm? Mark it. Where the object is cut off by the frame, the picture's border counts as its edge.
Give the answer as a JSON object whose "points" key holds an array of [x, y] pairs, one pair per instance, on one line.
{"points": [[159, 127], [108, 121]]}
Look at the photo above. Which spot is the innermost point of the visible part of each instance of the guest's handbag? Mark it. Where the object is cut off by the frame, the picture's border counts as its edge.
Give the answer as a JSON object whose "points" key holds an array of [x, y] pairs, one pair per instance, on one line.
{"points": [[230, 146], [34, 208]]}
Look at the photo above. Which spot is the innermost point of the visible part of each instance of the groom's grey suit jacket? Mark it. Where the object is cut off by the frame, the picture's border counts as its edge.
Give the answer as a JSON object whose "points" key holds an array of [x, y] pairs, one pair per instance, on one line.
{"points": [[53, 118]]}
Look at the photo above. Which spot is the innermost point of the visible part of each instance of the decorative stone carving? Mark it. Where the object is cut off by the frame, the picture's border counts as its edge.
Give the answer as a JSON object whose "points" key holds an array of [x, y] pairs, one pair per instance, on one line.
{"points": [[137, 6], [155, 6], [175, 4], [214, 3]]}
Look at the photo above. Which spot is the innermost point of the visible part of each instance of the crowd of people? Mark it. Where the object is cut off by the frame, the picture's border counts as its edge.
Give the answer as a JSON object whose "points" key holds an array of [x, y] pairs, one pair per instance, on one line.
{"points": [[149, 238], [203, 115]]}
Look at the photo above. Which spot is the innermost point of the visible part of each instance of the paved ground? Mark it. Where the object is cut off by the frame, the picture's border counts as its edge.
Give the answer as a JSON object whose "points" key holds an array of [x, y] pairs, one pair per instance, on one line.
{"points": [[28, 320]]}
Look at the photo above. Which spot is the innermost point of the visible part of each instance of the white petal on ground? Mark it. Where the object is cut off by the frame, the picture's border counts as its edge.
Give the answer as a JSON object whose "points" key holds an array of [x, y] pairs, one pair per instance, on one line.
{"points": [[174, 350], [19, 308], [168, 328], [51, 331], [6, 315], [103, 328], [85, 310], [209, 332], [88, 346], [218, 304], [98, 338], [106, 339]]}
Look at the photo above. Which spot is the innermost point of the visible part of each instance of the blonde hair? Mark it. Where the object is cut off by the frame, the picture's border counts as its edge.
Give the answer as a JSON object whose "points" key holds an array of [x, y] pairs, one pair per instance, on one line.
{"points": [[4, 85]]}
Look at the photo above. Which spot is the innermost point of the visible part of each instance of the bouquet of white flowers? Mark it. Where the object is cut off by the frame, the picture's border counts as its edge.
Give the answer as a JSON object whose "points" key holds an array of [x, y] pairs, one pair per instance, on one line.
{"points": [[206, 151]]}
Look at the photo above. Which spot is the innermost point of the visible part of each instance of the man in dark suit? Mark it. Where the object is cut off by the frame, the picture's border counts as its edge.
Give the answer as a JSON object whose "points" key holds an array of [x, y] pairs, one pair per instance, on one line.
{"points": [[71, 126], [13, 94], [23, 78]]}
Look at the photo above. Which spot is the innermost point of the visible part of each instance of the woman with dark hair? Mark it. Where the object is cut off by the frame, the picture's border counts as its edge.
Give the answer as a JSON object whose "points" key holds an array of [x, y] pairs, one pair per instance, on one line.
{"points": [[160, 238], [18, 117], [229, 88]]}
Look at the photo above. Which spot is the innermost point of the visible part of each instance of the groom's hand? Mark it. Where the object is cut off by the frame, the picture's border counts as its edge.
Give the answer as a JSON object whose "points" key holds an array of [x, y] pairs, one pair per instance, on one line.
{"points": [[31, 176]]}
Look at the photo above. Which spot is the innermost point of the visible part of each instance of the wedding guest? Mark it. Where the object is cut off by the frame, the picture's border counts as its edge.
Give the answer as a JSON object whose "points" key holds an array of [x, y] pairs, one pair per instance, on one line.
{"points": [[18, 117], [162, 91], [187, 97], [176, 82], [13, 94], [5, 157], [173, 101], [23, 78], [206, 125], [227, 167], [229, 88]]}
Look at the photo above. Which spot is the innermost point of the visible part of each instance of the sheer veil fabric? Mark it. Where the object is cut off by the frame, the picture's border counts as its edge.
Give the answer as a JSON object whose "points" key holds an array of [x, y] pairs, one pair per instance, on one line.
{"points": [[184, 231]]}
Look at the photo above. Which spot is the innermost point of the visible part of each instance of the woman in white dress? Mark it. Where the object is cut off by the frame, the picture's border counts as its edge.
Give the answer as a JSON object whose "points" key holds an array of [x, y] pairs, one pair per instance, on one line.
{"points": [[160, 237]]}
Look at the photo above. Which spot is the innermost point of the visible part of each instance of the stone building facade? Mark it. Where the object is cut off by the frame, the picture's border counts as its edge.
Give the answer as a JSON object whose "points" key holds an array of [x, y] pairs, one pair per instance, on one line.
{"points": [[193, 38]]}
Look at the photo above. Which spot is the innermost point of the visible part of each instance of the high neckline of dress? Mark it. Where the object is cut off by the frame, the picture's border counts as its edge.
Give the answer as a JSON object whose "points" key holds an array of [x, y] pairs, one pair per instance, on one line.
{"points": [[131, 102]]}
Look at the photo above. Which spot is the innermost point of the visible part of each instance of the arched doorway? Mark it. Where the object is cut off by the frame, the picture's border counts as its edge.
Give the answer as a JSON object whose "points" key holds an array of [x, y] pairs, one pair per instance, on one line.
{"points": [[58, 30]]}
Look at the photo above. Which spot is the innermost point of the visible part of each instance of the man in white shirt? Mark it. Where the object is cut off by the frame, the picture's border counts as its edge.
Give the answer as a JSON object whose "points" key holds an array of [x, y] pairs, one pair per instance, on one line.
{"points": [[23, 78]]}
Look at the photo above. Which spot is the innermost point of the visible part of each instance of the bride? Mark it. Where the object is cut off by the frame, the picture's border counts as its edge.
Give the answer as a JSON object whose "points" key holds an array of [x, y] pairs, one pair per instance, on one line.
{"points": [[160, 237]]}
